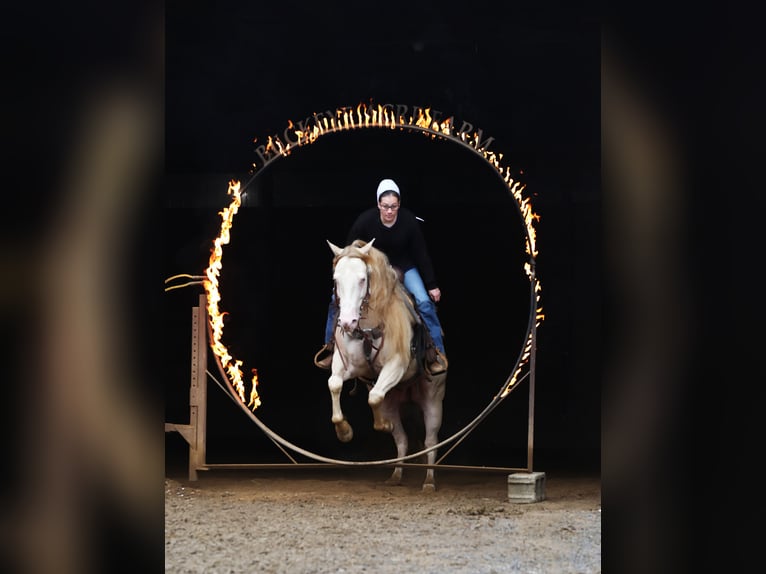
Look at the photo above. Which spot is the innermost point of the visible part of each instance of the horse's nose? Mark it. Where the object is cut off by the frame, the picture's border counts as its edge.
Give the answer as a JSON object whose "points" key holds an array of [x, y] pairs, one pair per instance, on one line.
{"points": [[348, 323]]}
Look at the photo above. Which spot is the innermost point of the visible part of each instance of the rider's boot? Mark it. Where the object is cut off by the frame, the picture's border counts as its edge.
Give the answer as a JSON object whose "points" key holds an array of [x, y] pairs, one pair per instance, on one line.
{"points": [[439, 365]]}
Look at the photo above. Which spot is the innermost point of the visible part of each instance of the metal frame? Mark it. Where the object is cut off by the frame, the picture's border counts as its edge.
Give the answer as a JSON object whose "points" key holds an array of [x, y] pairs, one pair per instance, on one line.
{"points": [[195, 433]]}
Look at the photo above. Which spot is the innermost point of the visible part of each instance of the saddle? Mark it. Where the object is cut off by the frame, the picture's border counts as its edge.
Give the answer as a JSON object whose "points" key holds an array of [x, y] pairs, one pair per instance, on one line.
{"points": [[422, 344], [422, 348]]}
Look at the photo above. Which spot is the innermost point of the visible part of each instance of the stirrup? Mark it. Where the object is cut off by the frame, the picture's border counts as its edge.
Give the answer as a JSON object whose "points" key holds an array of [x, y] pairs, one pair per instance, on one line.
{"points": [[440, 365], [325, 362]]}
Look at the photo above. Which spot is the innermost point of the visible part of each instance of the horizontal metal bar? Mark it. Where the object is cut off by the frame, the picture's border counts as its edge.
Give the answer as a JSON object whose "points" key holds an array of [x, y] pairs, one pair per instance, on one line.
{"points": [[319, 465]]}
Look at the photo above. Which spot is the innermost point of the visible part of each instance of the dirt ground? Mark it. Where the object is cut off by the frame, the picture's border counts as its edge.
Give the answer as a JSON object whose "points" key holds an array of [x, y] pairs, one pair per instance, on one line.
{"points": [[349, 520]]}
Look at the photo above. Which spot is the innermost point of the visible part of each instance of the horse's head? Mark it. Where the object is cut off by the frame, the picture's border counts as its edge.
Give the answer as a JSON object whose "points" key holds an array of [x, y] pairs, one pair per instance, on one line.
{"points": [[351, 276]]}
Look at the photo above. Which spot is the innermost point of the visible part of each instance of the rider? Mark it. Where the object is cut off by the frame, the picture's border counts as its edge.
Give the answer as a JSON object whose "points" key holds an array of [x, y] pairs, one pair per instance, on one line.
{"points": [[397, 233]]}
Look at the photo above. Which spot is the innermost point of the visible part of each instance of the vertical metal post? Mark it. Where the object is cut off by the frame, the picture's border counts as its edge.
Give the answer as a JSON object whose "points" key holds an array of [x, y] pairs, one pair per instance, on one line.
{"points": [[198, 388], [531, 418]]}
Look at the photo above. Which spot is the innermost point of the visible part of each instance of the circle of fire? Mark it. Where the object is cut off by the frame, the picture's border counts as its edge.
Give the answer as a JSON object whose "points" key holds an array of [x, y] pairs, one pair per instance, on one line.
{"points": [[345, 119]]}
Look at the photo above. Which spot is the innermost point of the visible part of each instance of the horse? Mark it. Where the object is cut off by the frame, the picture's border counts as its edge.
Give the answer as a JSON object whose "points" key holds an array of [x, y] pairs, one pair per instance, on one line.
{"points": [[374, 342]]}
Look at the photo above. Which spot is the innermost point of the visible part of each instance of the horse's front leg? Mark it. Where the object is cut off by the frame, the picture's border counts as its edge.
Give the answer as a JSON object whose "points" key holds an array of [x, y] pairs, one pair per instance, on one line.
{"points": [[389, 377], [343, 429]]}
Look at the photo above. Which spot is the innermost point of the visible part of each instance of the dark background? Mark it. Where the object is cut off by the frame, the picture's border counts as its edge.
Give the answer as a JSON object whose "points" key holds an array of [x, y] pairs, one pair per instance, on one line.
{"points": [[237, 74], [679, 444]]}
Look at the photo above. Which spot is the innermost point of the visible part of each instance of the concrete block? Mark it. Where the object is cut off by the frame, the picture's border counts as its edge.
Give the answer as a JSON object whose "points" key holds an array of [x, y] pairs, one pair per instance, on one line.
{"points": [[524, 487]]}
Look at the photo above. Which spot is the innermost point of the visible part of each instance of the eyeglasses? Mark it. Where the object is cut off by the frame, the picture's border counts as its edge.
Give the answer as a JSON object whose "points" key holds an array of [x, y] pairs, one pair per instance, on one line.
{"points": [[385, 207]]}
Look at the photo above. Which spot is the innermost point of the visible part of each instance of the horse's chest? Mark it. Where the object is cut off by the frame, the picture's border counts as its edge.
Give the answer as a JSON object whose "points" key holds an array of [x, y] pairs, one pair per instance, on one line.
{"points": [[361, 354]]}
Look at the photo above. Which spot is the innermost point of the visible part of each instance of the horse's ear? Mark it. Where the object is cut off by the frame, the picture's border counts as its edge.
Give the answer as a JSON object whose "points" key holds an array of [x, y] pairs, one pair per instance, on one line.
{"points": [[335, 249], [366, 249]]}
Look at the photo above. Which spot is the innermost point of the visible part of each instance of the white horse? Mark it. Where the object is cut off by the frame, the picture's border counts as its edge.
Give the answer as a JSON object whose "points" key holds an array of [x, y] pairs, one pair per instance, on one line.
{"points": [[376, 323]]}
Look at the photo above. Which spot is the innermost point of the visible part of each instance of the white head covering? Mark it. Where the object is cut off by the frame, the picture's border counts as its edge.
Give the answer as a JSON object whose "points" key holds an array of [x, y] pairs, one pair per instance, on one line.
{"points": [[387, 185]]}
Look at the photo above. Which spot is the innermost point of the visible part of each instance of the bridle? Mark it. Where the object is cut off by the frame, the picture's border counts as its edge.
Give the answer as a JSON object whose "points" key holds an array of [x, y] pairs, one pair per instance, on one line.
{"points": [[368, 335]]}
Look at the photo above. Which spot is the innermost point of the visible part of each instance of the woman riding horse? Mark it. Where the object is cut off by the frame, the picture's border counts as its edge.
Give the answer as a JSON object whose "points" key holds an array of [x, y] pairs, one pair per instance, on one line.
{"points": [[377, 324], [397, 233]]}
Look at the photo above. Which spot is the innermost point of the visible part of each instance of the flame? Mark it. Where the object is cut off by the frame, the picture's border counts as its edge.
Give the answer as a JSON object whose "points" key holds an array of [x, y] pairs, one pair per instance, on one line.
{"points": [[348, 118], [230, 365], [368, 116]]}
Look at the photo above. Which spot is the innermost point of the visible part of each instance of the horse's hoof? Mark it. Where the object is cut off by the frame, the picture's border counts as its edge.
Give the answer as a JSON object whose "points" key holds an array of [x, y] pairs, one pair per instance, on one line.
{"points": [[429, 487], [394, 480], [343, 431], [385, 426]]}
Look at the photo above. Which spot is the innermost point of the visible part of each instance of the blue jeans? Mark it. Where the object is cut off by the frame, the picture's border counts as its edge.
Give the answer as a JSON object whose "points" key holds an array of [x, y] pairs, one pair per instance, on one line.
{"points": [[425, 306]]}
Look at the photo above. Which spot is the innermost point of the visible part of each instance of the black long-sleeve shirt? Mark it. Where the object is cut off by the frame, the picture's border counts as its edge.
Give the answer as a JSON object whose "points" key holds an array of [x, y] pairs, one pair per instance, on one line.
{"points": [[403, 242]]}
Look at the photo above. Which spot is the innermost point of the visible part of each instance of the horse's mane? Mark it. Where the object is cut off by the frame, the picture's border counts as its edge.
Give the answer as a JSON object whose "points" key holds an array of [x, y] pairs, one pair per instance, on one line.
{"points": [[387, 298]]}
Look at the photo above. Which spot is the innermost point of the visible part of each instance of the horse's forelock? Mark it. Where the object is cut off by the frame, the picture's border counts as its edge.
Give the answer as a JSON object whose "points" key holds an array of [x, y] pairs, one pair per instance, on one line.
{"points": [[371, 258], [351, 251]]}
